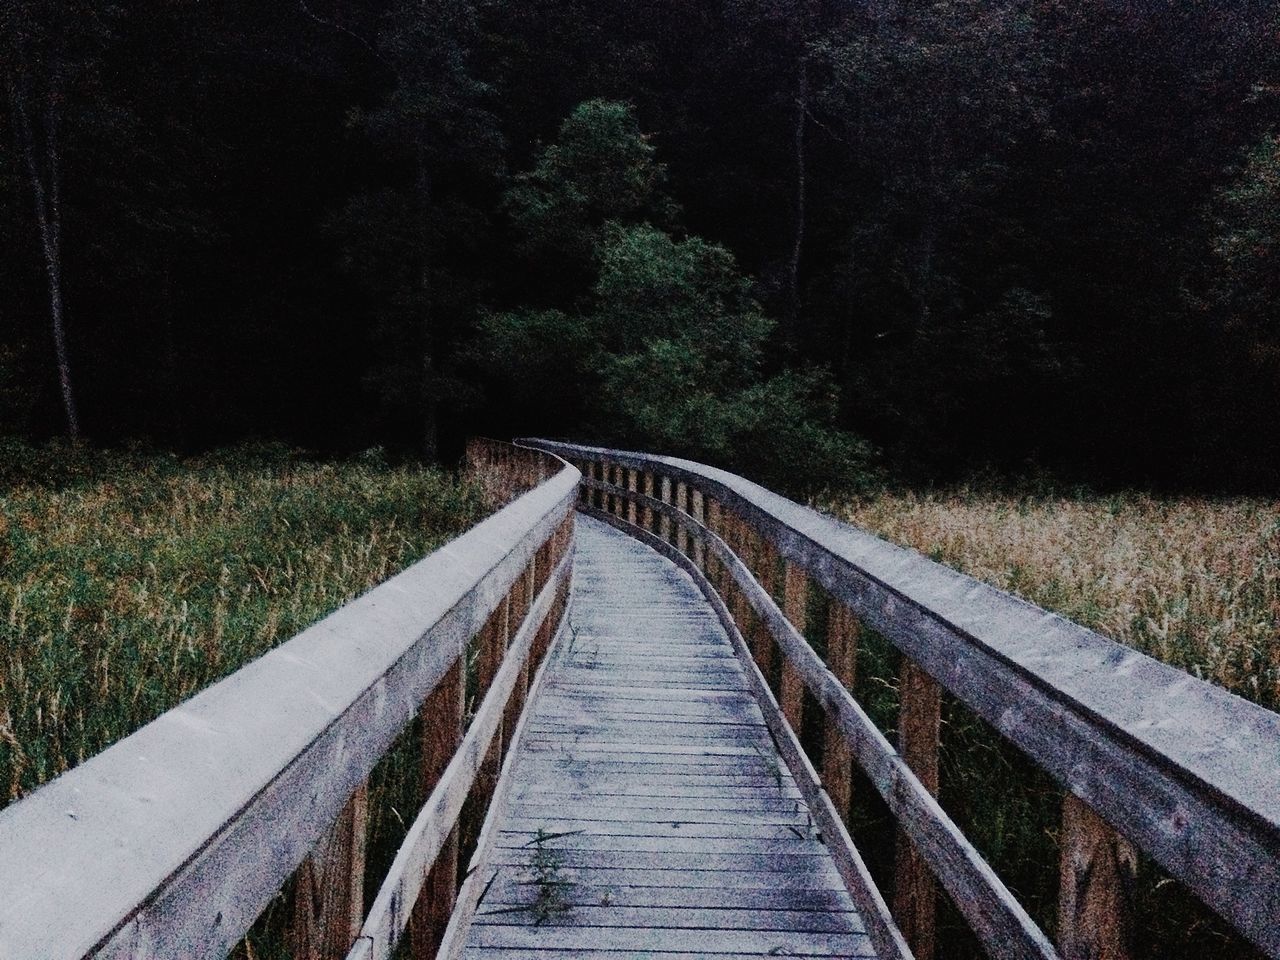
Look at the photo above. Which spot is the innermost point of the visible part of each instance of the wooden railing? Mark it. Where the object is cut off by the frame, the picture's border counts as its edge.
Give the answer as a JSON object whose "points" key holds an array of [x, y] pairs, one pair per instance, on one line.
{"points": [[1148, 755], [170, 843]]}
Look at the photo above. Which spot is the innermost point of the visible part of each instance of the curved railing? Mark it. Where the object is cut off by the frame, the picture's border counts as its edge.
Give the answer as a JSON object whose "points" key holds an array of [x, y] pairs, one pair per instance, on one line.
{"points": [[1147, 754], [171, 842]]}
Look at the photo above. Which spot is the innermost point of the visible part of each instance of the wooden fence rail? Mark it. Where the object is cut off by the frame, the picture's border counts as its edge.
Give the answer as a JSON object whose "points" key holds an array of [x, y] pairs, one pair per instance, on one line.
{"points": [[171, 842], [1149, 756]]}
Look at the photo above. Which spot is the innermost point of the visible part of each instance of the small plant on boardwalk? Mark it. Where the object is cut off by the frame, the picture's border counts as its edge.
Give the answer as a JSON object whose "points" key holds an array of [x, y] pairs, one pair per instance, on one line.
{"points": [[550, 883]]}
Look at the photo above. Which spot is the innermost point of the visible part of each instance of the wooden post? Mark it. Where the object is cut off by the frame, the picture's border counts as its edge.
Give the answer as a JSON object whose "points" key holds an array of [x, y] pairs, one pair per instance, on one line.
{"points": [[795, 602], [664, 522], [914, 888], [648, 510], [619, 481], [842, 658], [441, 733], [699, 548], [711, 512], [767, 560], [328, 895], [682, 501], [1095, 898], [631, 504]]}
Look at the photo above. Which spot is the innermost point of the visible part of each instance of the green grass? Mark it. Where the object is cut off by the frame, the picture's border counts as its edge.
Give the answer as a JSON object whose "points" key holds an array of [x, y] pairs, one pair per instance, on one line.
{"points": [[129, 582]]}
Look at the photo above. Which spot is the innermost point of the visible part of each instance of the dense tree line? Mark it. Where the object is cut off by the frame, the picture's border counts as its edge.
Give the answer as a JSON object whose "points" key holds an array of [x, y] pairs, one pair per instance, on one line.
{"points": [[1020, 235]]}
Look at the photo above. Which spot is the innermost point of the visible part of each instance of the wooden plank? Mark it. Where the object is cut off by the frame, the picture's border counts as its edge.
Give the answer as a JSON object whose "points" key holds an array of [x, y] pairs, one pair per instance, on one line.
{"points": [[837, 755], [795, 606], [328, 894], [682, 826], [682, 505], [696, 511], [1098, 875], [442, 726], [474, 886], [914, 889], [733, 942], [852, 872], [1171, 761], [171, 842], [631, 504], [430, 830]]}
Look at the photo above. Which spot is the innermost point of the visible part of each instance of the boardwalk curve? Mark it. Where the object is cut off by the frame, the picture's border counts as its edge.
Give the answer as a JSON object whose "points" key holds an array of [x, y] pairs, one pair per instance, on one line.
{"points": [[651, 813]]}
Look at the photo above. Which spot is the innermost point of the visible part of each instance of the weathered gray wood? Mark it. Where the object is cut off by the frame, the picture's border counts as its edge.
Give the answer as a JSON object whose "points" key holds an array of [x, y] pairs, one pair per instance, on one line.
{"points": [[1095, 901], [999, 920], [430, 830], [442, 731], [1170, 761], [633, 782], [837, 756], [475, 884], [852, 871], [328, 893], [919, 729], [172, 841]]}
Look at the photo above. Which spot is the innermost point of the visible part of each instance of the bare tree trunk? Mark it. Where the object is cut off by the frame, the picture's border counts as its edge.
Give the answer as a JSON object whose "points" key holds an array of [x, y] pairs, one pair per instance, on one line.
{"points": [[430, 430], [798, 210], [46, 190]]}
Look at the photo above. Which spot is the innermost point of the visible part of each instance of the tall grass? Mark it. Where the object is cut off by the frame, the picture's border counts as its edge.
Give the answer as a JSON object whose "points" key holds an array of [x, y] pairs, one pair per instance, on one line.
{"points": [[128, 582], [1193, 582]]}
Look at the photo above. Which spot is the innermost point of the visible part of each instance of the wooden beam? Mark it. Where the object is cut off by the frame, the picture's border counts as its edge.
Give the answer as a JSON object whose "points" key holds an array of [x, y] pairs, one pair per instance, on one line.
{"points": [[1170, 761], [795, 605], [1095, 896], [328, 893], [442, 718], [915, 893], [631, 503], [682, 504], [664, 524], [647, 515], [696, 511], [842, 659]]}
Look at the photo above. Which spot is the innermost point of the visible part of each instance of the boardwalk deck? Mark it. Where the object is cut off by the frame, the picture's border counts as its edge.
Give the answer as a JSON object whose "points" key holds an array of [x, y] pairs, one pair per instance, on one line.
{"points": [[650, 813]]}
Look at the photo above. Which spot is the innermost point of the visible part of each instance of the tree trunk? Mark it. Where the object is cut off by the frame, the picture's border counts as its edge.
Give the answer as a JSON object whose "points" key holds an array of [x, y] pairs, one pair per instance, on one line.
{"points": [[48, 205], [430, 444], [798, 210]]}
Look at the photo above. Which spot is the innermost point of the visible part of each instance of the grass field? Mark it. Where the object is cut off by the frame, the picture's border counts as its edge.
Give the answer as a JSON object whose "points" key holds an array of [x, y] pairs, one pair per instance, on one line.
{"points": [[1193, 582], [127, 582]]}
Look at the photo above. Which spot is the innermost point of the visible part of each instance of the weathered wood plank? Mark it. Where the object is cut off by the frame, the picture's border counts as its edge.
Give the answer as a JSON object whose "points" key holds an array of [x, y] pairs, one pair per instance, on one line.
{"points": [[919, 727], [154, 835], [837, 755], [1170, 761], [1095, 901], [661, 785], [328, 895]]}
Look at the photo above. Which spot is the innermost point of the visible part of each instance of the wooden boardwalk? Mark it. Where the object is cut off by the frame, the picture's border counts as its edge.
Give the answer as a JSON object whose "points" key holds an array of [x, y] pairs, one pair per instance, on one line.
{"points": [[650, 813]]}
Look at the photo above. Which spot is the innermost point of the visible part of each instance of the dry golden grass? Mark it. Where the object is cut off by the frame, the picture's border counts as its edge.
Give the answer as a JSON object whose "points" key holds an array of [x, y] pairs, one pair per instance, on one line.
{"points": [[1193, 582], [129, 583]]}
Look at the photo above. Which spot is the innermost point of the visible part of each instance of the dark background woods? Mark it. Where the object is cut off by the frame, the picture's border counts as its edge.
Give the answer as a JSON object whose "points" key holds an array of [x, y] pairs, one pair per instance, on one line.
{"points": [[1035, 236]]}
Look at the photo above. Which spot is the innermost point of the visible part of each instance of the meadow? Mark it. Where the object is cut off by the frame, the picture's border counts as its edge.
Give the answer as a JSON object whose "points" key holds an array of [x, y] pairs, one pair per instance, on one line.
{"points": [[1191, 581], [129, 582]]}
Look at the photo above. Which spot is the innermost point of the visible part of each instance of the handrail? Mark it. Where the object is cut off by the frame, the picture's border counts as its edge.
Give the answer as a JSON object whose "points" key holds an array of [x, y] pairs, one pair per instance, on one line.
{"points": [[172, 841], [1183, 769]]}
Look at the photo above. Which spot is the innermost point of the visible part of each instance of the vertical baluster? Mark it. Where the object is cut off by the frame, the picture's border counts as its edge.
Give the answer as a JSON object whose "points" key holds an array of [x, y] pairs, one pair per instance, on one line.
{"points": [[1095, 899], [842, 658], [767, 577], [714, 571], [619, 481], [664, 522], [914, 888], [682, 502], [696, 511], [795, 602], [328, 896], [442, 718], [648, 510], [631, 503]]}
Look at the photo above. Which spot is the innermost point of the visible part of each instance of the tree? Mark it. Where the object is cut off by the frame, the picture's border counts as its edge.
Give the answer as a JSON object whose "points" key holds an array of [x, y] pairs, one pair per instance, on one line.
{"points": [[51, 50]]}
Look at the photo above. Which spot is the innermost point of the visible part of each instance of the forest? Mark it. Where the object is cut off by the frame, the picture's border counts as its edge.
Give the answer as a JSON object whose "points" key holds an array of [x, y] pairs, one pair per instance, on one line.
{"points": [[996, 238]]}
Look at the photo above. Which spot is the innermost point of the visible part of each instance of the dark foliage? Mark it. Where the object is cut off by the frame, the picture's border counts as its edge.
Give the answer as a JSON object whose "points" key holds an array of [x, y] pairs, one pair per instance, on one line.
{"points": [[1019, 235]]}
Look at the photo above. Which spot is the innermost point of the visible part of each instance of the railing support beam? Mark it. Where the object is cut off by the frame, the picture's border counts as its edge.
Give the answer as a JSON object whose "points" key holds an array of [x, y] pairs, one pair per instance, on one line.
{"points": [[1098, 871], [919, 728]]}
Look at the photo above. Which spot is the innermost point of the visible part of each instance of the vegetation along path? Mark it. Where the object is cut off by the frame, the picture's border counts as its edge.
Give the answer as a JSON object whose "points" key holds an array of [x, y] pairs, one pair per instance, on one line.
{"points": [[650, 810]]}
